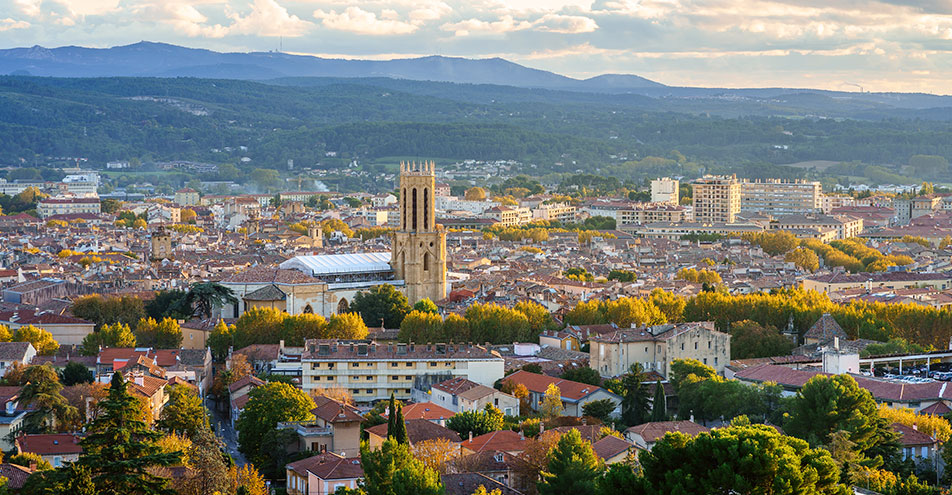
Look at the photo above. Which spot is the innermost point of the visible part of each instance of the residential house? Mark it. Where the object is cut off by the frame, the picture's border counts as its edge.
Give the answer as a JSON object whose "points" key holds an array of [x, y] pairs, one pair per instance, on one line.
{"points": [[613, 449], [323, 474], [915, 444], [335, 428], [56, 448], [646, 435], [656, 347], [66, 330], [15, 353], [418, 430], [506, 441], [11, 416], [428, 411], [574, 395], [238, 393], [461, 395], [468, 483]]}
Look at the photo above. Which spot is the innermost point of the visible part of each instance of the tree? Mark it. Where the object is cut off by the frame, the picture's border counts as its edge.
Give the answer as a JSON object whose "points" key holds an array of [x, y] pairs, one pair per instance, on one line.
{"points": [[420, 326], [205, 457], [5, 334], [475, 194], [102, 311], [681, 369], [203, 297], [184, 413], [659, 406], [119, 448], [109, 335], [392, 470], [265, 178], [619, 478], [583, 374], [622, 275], [551, 402], [75, 373], [268, 405], [535, 458], [476, 422], [773, 243], [381, 305], [72, 479], [42, 340], [739, 459], [827, 404], [749, 339], [41, 395], [804, 259], [168, 303], [436, 454], [425, 305], [635, 405], [573, 467], [246, 480], [165, 334], [26, 458], [520, 392], [497, 324], [347, 326], [601, 409], [400, 428]]}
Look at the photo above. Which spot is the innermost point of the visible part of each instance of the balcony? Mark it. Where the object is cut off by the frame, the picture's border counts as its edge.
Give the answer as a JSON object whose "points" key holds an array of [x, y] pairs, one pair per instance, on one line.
{"points": [[306, 428]]}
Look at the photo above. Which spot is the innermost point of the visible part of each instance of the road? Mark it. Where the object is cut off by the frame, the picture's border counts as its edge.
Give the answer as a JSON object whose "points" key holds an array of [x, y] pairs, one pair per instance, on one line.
{"points": [[222, 424]]}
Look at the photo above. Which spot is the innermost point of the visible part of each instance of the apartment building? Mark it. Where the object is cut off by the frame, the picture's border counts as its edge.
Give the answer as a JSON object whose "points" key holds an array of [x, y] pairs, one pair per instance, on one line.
{"points": [[558, 212], [665, 190], [716, 199], [642, 213], [509, 216], [372, 371], [781, 197], [67, 206], [845, 226], [612, 354], [830, 202]]}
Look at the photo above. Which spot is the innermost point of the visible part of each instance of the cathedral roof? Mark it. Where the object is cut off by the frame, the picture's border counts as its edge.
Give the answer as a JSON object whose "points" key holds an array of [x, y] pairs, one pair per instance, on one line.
{"points": [[266, 293], [334, 264]]}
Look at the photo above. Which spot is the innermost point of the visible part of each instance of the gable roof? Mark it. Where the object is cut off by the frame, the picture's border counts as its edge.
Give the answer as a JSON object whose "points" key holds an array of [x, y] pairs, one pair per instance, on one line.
{"points": [[329, 466], [426, 410], [464, 388], [468, 483], [16, 475], [245, 381], [909, 436], [502, 440], [58, 443], [570, 391], [652, 432], [825, 329], [419, 430], [13, 351], [333, 411], [610, 446]]}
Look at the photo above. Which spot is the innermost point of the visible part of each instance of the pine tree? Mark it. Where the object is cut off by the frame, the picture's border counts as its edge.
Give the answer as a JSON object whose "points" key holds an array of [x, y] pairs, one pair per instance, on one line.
{"points": [[120, 448], [659, 410], [573, 467], [400, 435]]}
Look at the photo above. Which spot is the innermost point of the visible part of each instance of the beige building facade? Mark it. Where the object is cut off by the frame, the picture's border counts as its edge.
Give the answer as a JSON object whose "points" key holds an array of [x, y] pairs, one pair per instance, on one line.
{"points": [[716, 199], [781, 197], [654, 348]]}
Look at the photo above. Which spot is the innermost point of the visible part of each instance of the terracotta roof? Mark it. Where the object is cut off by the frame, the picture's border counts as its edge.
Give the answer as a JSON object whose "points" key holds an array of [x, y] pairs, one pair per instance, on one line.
{"points": [[426, 410], [468, 483], [464, 388], [909, 436], [58, 443], [419, 430], [13, 351], [572, 391], [589, 433], [245, 381], [329, 466], [610, 446], [274, 275], [825, 329], [16, 475], [503, 441], [937, 409], [652, 432], [333, 411]]}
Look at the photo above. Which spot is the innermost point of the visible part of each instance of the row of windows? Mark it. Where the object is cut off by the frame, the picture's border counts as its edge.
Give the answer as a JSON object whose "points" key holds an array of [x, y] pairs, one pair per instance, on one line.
{"points": [[366, 365]]}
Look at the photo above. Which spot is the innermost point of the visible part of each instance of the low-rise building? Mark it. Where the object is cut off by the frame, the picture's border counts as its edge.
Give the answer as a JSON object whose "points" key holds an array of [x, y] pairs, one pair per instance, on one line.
{"points": [[56, 448], [646, 435], [323, 474], [509, 216], [558, 212], [845, 226], [66, 206], [335, 428], [462, 395], [840, 281], [574, 394], [656, 347]]}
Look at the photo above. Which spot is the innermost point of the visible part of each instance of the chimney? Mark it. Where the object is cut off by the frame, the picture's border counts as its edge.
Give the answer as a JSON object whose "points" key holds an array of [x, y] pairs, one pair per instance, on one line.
{"points": [[692, 418], [541, 427], [470, 435], [836, 343], [915, 427], [32, 466], [140, 380]]}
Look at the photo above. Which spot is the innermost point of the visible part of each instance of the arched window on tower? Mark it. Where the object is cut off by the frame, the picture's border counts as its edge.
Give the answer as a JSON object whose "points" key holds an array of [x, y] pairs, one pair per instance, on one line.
{"points": [[308, 310], [342, 306], [404, 212], [426, 208], [414, 202], [426, 262]]}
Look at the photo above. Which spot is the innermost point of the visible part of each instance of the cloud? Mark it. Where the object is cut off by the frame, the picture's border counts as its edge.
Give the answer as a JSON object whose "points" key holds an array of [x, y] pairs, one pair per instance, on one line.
{"points": [[9, 24], [267, 18], [566, 24], [359, 21], [479, 27]]}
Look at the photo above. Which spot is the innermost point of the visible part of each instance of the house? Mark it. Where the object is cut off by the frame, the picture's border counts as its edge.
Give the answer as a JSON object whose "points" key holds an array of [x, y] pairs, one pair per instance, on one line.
{"points": [[560, 339], [15, 353], [57, 448], [495, 441], [645, 436], [153, 389], [238, 393], [66, 330], [915, 444], [11, 416], [503, 467], [574, 394], [824, 331], [468, 483], [460, 395], [656, 347], [428, 411], [323, 474], [613, 449], [335, 428], [418, 430]]}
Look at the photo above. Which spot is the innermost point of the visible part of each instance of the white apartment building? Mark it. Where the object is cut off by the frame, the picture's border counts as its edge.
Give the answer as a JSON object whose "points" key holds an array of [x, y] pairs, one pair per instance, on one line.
{"points": [[67, 206], [781, 197], [665, 190], [509, 216], [559, 212], [716, 199]]}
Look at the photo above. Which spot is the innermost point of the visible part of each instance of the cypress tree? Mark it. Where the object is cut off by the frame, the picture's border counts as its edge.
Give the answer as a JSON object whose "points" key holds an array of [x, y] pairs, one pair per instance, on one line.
{"points": [[659, 410], [401, 426], [120, 448], [391, 417]]}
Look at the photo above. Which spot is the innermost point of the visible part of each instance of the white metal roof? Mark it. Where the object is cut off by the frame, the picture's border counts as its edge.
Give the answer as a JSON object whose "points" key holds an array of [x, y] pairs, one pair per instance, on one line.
{"points": [[334, 264]]}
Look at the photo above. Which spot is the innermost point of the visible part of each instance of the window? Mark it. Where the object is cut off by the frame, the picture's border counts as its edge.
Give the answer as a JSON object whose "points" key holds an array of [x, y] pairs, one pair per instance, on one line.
{"points": [[705, 360], [715, 361], [432, 363], [682, 346], [695, 346], [708, 344], [330, 366]]}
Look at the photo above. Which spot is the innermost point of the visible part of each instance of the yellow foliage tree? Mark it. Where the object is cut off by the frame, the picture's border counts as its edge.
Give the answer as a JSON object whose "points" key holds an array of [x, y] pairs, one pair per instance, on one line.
{"points": [[934, 426]]}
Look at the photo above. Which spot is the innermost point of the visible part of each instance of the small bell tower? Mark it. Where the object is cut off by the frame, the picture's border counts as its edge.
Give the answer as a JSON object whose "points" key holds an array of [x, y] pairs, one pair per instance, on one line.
{"points": [[419, 246]]}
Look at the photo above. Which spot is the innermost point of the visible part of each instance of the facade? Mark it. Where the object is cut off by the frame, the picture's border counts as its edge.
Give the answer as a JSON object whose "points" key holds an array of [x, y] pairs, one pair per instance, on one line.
{"points": [[323, 474], [558, 212], [57, 448], [716, 199], [509, 216], [12, 353], [46, 208], [844, 225], [161, 243], [612, 354], [187, 197], [461, 395], [372, 371], [335, 428], [781, 197], [574, 394], [890, 280], [419, 247], [674, 231], [641, 214], [665, 190]]}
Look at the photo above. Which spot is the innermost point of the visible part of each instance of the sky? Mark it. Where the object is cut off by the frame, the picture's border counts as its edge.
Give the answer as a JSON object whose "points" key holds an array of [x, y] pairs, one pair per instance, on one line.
{"points": [[886, 45]]}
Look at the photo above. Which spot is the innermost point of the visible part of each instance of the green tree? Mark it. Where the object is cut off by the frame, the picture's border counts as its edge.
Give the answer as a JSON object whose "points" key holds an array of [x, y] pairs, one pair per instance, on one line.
{"points": [[573, 467], [26, 458], [583, 374], [682, 368], [74, 373], [109, 335], [382, 304], [165, 334], [601, 409], [392, 470], [400, 428], [749, 339], [751, 459], [42, 340], [476, 422], [420, 326], [659, 406], [347, 326], [425, 305], [827, 404], [620, 477], [184, 413], [102, 311], [119, 448], [497, 324], [41, 395], [72, 479], [635, 404], [167, 303], [203, 297], [268, 405]]}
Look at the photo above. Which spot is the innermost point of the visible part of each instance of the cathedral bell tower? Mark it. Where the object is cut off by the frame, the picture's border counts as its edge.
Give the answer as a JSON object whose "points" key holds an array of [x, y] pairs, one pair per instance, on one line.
{"points": [[419, 246]]}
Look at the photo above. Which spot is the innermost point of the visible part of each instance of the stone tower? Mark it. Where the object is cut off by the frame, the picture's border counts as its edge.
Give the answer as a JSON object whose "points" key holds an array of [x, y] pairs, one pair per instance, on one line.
{"points": [[419, 246], [161, 244]]}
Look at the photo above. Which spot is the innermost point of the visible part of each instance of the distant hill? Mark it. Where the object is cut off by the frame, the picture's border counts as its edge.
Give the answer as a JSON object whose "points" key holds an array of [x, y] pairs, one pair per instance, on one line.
{"points": [[165, 60]]}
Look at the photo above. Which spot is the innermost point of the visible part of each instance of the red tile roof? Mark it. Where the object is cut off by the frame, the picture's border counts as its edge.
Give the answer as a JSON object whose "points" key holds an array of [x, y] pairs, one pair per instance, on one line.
{"points": [[651, 432], [418, 430], [329, 466], [50, 444], [610, 446], [909, 436], [249, 380], [426, 410], [501, 441], [572, 391]]}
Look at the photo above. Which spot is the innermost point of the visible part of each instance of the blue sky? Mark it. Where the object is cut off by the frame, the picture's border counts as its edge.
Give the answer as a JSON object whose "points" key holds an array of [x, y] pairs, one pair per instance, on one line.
{"points": [[890, 45]]}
